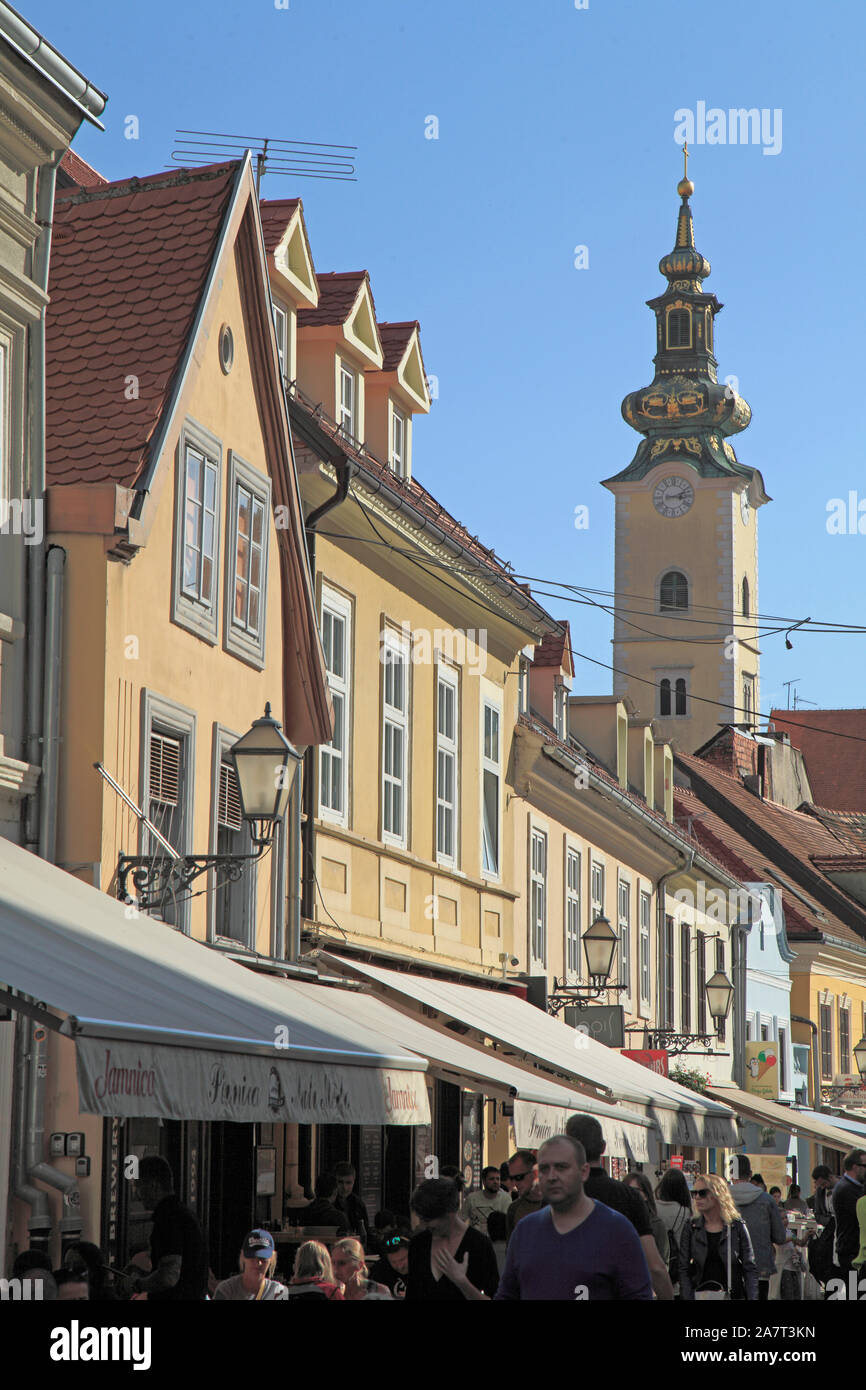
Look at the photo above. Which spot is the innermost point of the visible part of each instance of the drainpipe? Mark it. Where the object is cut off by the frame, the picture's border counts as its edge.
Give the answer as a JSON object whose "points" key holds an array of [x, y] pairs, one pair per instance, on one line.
{"points": [[36, 493], [56, 567], [739, 933], [816, 1089], [304, 848], [685, 867]]}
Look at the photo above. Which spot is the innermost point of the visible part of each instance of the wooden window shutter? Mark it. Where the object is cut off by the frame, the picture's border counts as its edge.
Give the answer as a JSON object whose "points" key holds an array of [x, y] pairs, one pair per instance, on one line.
{"points": [[229, 808], [164, 770]]}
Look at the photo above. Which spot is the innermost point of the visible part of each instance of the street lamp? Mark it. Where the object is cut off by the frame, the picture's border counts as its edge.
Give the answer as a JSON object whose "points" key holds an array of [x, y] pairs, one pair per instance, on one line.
{"points": [[265, 765], [720, 992], [860, 1056], [599, 944]]}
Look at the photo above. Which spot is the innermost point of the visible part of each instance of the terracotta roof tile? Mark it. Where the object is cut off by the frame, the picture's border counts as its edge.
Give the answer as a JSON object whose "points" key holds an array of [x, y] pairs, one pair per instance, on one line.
{"points": [[276, 215], [75, 170], [554, 649], [129, 263], [395, 338], [836, 766], [797, 834], [338, 290]]}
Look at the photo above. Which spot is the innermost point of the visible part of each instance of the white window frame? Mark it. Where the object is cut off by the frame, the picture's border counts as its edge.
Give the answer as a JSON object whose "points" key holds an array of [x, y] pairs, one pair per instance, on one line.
{"points": [[348, 415], [560, 704], [491, 768], [399, 458], [162, 715], [538, 861], [242, 640], [571, 916], [644, 957], [190, 608], [673, 674], [596, 903], [523, 668], [395, 652], [281, 328], [623, 931], [448, 749], [338, 607], [244, 892]]}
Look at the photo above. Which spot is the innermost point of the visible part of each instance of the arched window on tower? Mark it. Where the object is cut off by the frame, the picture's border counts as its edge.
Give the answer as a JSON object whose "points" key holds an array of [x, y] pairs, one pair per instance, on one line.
{"points": [[746, 613], [674, 590], [680, 694], [679, 325], [665, 696]]}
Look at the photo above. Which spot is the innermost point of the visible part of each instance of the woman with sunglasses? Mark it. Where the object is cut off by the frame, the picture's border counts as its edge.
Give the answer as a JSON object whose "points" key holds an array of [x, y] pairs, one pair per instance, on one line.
{"points": [[716, 1257]]}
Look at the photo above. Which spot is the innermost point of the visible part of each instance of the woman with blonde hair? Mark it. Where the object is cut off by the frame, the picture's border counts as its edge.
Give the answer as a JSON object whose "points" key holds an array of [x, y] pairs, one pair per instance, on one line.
{"points": [[350, 1267], [314, 1274], [716, 1257], [254, 1284]]}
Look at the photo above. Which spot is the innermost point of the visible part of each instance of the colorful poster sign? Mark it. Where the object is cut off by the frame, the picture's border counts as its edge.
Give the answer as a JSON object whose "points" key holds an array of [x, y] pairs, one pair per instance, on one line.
{"points": [[762, 1070]]}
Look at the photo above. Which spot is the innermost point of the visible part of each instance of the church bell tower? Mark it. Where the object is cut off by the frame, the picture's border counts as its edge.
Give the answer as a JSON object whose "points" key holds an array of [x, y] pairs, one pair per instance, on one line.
{"points": [[685, 644]]}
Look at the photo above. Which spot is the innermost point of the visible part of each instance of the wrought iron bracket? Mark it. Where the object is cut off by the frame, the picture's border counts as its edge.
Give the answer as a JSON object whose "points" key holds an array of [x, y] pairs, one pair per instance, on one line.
{"points": [[580, 996], [157, 879], [679, 1043]]}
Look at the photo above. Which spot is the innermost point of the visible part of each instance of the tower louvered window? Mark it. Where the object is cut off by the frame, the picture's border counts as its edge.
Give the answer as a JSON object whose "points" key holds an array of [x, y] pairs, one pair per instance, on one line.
{"points": [[674, 590], [679, 328]]}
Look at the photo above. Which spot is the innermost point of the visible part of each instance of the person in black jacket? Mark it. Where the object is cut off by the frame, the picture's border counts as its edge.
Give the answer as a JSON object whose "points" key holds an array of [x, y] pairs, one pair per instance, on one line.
{"points": [[323, 1210], [447, 1258], [714, 1242], [349, 1203], [846, 1194]]}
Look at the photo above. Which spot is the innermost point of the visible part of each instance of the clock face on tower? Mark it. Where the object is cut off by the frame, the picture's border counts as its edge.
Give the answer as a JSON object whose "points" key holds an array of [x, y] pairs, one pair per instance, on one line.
{"points": [[673, 496]]}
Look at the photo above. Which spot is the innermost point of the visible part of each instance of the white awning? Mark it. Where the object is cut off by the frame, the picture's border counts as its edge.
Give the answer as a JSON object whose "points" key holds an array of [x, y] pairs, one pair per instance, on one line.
{"points": [[541, 1105], [683, 1117], [166, 1027], [807, 1124]]}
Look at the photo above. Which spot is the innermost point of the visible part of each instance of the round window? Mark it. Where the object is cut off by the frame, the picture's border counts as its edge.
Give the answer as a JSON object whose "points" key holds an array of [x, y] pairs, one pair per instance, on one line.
{"points": [[227, 348]]}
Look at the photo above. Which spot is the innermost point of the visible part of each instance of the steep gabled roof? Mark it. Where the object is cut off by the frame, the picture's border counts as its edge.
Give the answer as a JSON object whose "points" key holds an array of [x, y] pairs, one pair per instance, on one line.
{"points": [[76, 171], [338, 290], [395, 340], [129, 264], [836, 764], [276, 215]]}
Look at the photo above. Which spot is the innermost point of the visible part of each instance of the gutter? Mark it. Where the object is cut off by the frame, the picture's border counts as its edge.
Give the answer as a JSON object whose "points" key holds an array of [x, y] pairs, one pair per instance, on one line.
{"points": [[51, 65], [320, 442]]}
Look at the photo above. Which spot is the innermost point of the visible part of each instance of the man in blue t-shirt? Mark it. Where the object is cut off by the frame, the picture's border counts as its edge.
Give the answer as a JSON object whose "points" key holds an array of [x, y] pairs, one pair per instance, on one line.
{"points": [[574, 1248]]}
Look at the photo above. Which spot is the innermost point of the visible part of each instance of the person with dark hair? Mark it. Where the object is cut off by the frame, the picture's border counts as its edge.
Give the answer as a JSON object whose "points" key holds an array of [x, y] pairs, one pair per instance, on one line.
{"points": [[393, 1267], [30, 1260], [598, 1186], [177, 1249], [758, 1181], [488, 1198], [846, 1195], [456, 1175], [71, 1285], [525, 1194], [822, 1197], [497, 1234], [323, 1210], [674, 1206], [88, 1259], [776, 1194], [447, 1259], [794, 1201], [763, 1221], [640, 1183], [355, 1217], [574, 1248]]}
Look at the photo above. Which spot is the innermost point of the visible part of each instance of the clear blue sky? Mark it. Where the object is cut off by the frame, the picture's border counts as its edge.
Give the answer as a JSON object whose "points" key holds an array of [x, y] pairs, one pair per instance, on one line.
{"points": [[556, 129]]}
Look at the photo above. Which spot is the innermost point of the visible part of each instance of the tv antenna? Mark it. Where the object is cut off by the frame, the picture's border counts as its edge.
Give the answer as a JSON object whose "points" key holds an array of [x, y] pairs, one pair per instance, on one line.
{"points": [[797, 699], [300, 158]]}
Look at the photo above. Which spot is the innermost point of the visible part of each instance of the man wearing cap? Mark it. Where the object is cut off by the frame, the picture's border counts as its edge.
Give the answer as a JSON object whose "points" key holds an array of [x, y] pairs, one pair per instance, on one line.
{"points": [[253, 1284]]}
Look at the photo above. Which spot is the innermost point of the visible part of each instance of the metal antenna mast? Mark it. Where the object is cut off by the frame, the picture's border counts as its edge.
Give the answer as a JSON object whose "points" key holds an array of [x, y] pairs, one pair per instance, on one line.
{"points": [[298, 158]]}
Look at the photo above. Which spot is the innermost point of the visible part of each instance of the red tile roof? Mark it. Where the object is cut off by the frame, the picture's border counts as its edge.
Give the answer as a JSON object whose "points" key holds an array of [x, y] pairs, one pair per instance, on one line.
{"points": [[836, 765], [129, 263], [805, 917], [555, 649], [395, 339], [276, 216], [795, 834], [338, 291], [80, 172]]}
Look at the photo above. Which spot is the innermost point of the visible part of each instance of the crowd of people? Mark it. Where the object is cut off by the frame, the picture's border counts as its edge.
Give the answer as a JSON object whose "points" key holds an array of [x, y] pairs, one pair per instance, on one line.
{"points": [[549, 1225]]}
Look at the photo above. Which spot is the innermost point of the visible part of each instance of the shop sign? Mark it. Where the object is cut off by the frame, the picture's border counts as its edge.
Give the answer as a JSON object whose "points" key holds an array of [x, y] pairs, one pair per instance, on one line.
{"points": [[762, 1070], [138, 1079], [655, 1059]]}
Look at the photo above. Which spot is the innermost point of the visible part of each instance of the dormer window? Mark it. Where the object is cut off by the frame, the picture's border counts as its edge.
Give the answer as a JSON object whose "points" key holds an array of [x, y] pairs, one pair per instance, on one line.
{"points": [[673, 591], [679, 328], [399, 458], [348, 400]]}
